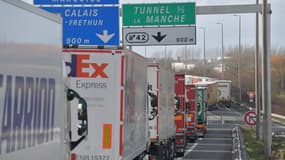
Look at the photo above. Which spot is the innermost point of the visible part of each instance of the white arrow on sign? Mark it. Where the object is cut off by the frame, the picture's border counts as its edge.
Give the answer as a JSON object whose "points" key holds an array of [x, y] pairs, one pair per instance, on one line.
{"points": [[105, 37], [90, 70]]}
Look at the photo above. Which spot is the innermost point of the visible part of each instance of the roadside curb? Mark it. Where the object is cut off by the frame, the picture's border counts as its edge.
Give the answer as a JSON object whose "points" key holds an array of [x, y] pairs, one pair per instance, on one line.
{"points": [[239, 148]]}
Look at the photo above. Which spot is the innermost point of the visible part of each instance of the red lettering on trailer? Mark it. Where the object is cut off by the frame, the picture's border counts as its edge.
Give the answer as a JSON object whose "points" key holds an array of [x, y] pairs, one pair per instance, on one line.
{"points": [[81, 65], [99, 70]]}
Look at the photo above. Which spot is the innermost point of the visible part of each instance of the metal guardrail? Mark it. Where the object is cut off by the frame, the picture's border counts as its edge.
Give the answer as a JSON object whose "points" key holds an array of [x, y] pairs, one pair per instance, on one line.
{"points": [[236, 144], [278, 116], [239, 148]]}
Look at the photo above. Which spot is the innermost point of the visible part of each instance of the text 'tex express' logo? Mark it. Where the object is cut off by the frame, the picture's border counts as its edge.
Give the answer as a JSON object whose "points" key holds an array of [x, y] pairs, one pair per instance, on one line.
{"points": [[81, 67]]}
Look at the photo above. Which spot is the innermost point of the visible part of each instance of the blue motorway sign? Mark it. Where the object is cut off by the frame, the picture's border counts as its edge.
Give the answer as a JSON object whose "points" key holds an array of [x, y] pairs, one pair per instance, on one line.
{"points": [[68, 2], [89, 25]]}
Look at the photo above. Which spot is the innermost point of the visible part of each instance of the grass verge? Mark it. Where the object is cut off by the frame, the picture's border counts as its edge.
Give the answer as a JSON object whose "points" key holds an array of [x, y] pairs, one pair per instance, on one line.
{"points": [[255, 149]]}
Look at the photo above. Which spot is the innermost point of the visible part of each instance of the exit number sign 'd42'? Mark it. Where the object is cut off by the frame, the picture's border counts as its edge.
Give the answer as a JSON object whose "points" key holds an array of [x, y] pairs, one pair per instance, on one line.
{"points": [[142, 36], [159, 14]]}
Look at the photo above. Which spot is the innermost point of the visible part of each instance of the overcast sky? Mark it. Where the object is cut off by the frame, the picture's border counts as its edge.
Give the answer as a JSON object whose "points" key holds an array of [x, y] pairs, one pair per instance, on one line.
{"points": [[213, 30]]}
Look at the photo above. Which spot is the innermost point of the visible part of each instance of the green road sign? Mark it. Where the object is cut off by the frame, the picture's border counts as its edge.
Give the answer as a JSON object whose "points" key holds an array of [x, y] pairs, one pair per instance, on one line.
{"points": [[159, 14]]}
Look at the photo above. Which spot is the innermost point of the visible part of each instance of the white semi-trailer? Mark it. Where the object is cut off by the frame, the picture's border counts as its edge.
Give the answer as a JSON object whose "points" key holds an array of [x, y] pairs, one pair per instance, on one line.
{"points": [[113, 82], [34, 110], [224, 91], [160, 104]]}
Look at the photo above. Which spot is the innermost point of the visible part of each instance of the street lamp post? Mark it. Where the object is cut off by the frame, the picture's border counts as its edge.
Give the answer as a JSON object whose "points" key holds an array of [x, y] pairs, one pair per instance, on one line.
{"points": [[239, 57], [222, 75], [266, 80], [204, 49], [257, 79]]}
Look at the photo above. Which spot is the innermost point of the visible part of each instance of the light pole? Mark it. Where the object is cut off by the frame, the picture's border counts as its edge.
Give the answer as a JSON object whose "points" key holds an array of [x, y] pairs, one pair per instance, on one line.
{"points": [[222, 75], [257, 79], [204, 49], [239, 56], [266, 80]]}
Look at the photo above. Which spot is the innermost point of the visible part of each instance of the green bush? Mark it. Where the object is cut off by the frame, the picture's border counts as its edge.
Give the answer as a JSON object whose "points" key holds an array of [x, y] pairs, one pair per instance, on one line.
{"points": [[255, 149]]}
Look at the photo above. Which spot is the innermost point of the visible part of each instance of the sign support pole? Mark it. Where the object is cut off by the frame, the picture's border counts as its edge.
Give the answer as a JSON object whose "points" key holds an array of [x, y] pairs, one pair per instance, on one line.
{"points": [[257, 82], [266, 81]]}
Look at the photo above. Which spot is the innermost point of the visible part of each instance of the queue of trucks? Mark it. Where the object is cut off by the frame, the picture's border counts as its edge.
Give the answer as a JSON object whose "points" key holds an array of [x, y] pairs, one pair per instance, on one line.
{"points": [[90, 104], [35, 96]]}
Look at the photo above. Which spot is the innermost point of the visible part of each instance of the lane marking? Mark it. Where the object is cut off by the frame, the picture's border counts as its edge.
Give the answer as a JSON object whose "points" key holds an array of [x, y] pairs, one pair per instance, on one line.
{"points": [[228, 109], [213, 151], [221, 144], [192, 148]]}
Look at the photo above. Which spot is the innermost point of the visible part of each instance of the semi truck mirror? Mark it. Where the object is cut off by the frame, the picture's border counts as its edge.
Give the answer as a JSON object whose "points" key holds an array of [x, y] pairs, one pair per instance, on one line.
{"points": [[82, 110], [82, 116], [187, 106], [177, 102], [82, 126], [153, 103]]}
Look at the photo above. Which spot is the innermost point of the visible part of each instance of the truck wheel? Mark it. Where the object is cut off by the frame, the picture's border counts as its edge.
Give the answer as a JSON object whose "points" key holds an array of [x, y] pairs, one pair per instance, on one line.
{"points": [[160, 153], [140, 157], [167, 150], [172, 150], [180, 154]]}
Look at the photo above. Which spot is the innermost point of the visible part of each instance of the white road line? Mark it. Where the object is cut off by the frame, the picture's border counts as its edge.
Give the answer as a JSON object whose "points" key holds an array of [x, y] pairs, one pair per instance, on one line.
{"points": [[214, 151], [191, 149], [228, 109], [188, 151], [205, 144]]}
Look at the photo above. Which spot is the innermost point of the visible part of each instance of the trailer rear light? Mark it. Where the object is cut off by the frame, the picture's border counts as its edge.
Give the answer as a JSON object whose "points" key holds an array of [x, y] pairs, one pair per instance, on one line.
{"points": [[179, 141], [191, 131], [73, 156], [200, 126], [107, 136], [179, 117]]}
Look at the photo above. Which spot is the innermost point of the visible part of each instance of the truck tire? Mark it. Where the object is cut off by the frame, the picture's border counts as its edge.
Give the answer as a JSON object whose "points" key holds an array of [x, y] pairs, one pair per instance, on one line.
{"points": [[140, 157], [180, 154], [161, 152], [167, 150], [172, 149]]}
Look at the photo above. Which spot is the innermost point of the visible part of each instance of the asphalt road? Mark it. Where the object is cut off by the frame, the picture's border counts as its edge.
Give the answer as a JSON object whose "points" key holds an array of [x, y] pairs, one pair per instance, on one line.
{"points": [[217, 144]]}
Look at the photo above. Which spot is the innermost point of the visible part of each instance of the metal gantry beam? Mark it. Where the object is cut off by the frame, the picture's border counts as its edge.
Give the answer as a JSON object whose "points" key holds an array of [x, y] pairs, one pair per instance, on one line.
{"points": [[228, 9]]}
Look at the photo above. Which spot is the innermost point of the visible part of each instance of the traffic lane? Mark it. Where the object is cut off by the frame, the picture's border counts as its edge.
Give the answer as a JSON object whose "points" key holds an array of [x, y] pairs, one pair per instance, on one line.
{"points": [[216, 141], [209, 149], [208, 155], [219, 132], [214, 146], [228, 112], [217, 145]]}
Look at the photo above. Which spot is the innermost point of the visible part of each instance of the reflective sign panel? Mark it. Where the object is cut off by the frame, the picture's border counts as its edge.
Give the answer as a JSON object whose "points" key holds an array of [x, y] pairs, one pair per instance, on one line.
{"points": [[89, 25], [141, 36]]}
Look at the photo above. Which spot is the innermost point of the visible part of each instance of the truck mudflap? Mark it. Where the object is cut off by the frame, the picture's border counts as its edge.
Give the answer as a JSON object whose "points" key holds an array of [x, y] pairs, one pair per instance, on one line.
{"points": [[180, 143], [191, 133], [201, 130], [163, 151]]}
